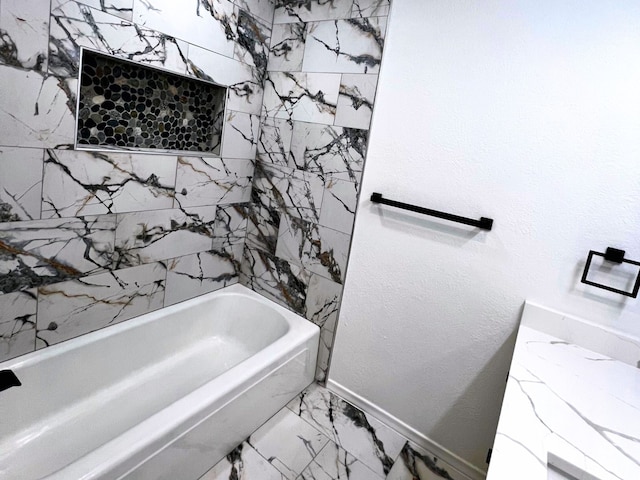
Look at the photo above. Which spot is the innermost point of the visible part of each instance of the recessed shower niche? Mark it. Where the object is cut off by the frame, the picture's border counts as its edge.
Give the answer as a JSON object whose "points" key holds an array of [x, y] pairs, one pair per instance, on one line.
{"points": [[129, 106]]}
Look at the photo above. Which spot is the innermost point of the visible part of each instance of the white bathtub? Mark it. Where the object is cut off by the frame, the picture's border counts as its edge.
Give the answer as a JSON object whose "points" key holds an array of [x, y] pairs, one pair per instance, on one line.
{"points": [[163, 396]]}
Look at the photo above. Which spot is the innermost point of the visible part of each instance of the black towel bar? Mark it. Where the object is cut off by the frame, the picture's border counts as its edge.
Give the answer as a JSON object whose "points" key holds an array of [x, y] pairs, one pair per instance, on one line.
{"points": [[484, 222]]}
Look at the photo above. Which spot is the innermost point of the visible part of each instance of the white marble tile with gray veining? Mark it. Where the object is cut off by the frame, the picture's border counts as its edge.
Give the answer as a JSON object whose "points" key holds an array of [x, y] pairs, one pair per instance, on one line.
{"points": [[243, 82], [20, 183], [262, 227], [325, 347], [200, 273], [287, 47], [211, 181], [269, 182], [303, 195], [80, 183], [252, 41], [323, 303], [230, 227], [290, 454], [415, 463], [275, 140], [243, 463], [370, 8], [294, 240], [346, 46], [42, 252], [328, 151], [308, 97], [339, 205], [74, 25], [24, 34], [145, 237], [240, 137], [318, 249], [119, 8], [36, 109], [209, 24], [17, 323], [76, 307], [335, 463], [363, 436], [293, 191], [287, 11], [355, 102], [277, 279], [267, 206], [258, 8], [296, 444]]}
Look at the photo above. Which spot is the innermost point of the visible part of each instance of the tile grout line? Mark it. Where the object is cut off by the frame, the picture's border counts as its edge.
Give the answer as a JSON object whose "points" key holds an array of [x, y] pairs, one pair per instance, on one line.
{"points": [[286, 408], [367, 415], [323, 433], [326, 445], [314, 457]]}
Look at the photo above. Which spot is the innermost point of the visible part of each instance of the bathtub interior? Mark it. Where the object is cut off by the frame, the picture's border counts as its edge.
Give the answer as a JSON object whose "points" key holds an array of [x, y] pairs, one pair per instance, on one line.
{"points": [[97, 390]]}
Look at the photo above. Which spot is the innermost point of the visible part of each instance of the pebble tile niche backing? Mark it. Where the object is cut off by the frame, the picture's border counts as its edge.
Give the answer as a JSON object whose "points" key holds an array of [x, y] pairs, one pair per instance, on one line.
{"points": [[126, 105]]}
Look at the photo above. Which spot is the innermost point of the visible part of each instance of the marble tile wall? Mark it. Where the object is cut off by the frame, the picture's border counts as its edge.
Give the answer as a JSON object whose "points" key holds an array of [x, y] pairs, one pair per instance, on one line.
{"points": [[301, 79], [89, 239], [319, 92]]}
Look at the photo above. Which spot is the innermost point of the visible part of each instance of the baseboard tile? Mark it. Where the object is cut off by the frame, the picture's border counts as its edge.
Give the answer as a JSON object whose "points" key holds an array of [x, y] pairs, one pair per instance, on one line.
{"points": [[465, 468]]}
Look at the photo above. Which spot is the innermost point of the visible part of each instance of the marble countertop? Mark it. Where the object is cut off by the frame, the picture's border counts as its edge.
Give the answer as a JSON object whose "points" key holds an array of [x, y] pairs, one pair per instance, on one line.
{"points": [[580, 404]]}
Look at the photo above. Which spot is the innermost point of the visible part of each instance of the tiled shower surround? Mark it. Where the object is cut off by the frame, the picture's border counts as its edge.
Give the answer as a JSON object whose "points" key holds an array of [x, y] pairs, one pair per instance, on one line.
{"points": [[89, 239], [319, 93]]}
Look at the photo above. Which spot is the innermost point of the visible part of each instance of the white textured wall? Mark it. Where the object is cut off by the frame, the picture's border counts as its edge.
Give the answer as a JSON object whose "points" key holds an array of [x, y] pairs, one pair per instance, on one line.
{"points": [[524, 111]]}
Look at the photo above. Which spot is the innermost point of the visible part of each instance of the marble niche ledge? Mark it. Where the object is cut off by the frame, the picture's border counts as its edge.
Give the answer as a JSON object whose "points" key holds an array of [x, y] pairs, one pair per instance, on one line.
{"points": [[573, 396]]}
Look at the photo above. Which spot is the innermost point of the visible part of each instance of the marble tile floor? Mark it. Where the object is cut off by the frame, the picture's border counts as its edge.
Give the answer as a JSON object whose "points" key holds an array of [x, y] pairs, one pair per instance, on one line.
{"points": [[319, 436]]}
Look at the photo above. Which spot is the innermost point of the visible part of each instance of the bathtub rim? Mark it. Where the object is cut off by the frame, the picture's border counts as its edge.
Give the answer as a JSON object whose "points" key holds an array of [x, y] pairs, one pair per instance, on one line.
{"points": [[74, 343]]}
